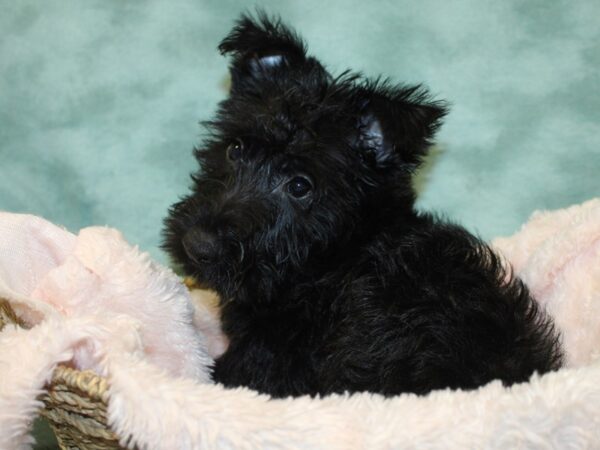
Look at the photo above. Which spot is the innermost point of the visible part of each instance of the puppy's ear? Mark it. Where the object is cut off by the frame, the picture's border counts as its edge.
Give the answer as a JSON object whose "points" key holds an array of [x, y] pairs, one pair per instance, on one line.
{"points": [[397, 123], [261, 47]]}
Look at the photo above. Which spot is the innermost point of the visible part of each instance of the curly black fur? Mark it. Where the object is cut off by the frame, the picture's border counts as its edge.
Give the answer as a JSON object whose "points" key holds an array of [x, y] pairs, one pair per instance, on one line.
{"points": [[302, 219]]}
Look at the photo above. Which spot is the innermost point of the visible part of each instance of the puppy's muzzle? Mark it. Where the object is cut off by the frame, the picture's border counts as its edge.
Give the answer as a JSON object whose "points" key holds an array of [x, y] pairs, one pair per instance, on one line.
{"points": [[200, 245]]}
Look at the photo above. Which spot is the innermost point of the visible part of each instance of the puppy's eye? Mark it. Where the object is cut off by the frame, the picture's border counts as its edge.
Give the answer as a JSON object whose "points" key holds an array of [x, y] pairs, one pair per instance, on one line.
{"points": [[235, 149], [299, 187]]}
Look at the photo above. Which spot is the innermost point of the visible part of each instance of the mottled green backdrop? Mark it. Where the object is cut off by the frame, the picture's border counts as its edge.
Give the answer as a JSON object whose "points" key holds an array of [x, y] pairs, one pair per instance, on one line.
{"points": [[100, 100]]}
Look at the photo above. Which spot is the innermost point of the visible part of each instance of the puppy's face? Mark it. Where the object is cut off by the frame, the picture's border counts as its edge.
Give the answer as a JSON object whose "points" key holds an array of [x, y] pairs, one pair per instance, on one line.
{"points": [[295, 161]]}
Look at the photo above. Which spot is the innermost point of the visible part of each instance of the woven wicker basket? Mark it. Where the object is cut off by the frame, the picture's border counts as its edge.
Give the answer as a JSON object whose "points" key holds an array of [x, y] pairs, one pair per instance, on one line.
{"points": [[75, 404]]}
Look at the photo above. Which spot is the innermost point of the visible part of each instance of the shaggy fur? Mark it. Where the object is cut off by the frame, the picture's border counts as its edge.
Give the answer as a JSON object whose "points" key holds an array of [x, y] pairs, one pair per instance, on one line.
{"points": [[303, 220]]}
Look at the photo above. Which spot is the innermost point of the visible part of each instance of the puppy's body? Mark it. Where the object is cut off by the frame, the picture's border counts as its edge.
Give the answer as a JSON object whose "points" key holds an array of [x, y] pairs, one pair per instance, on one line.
{"points": [[416, 307], [302, 220]]}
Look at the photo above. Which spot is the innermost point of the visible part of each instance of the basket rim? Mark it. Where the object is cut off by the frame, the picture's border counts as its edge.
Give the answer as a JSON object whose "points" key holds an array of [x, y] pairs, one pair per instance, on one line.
{"points": [[70, 389], [94, 385], [8, 313]]}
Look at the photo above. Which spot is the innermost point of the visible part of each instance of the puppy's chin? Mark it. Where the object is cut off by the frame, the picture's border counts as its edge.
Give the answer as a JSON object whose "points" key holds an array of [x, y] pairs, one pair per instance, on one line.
{"points": [[206, 275], [217, 274]]}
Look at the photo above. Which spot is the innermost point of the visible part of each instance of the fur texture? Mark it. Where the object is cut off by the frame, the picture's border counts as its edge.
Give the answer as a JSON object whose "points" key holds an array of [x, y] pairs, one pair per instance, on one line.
{"points": [[302, 219]]}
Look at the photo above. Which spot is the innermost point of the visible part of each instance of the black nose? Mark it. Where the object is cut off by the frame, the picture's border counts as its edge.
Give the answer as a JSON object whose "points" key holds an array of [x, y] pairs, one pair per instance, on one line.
{"points": [[200, 245]]}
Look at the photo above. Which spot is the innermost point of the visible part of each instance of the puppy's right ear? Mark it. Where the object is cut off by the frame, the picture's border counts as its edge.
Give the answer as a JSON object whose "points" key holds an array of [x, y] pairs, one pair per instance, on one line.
{"points": [[261, 48], [397, 123]]}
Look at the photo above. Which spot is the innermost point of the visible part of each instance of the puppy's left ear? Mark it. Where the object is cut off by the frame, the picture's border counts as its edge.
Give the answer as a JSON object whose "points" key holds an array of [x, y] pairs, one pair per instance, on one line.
{"points": [[397, 123], [261, 48]]}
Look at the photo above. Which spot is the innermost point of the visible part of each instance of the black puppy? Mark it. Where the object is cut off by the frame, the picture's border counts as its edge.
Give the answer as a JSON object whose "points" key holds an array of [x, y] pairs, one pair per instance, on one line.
{"points": [[302, 220]]}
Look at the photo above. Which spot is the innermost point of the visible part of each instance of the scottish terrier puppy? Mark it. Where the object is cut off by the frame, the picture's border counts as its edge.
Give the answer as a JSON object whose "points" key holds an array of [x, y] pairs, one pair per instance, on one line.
{"points": [[302, 219]]}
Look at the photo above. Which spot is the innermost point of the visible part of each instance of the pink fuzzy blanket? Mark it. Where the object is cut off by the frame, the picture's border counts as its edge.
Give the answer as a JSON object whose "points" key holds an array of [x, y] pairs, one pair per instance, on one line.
{"points": [[95, 302]]}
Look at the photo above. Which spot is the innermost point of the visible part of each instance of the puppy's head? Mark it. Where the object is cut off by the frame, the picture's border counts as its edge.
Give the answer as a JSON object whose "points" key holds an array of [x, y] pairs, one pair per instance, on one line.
{"points": [[296, 161]]}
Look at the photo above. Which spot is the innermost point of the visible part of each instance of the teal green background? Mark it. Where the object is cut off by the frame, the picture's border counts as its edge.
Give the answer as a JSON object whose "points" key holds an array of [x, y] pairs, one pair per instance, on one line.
{"points": [[100, 100]]}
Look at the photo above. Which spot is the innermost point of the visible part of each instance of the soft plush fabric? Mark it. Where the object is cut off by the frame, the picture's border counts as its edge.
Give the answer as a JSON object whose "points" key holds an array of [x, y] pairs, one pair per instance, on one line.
{"points": [[85, 298], [100, 101], [557, 254], [157, 405]]}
